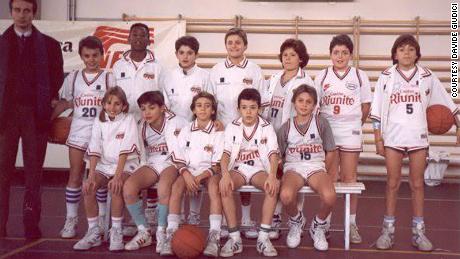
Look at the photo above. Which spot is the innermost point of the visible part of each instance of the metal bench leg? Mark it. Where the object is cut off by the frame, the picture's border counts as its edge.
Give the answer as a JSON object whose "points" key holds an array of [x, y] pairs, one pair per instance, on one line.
{"points": [[107, 217], [347, 221]]}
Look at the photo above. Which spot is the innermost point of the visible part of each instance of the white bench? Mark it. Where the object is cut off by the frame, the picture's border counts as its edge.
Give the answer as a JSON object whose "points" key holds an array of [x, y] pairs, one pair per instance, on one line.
{"points": [[340, 188]]}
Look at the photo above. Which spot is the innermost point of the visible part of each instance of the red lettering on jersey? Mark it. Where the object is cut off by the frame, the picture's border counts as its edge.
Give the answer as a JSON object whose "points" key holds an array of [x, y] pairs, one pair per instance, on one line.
{"points": [[90, 101], [247, 81], [245, 156], [149, 76], [312, 148], [195, 89], [406, 98], [120, 135], [157, 148], [337, 98], [209, 148]]}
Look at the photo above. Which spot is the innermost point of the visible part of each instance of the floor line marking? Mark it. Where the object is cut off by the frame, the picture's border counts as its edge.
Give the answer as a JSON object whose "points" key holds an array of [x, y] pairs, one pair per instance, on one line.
{"points": [[22, 248]]}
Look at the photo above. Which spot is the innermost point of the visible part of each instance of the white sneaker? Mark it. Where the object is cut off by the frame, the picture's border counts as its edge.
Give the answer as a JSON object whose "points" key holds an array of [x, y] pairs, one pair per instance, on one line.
{"points": [[419, 240], [231, 248], [355, 237], [194, 219], [91, 239], [318, 234], [275, 232], [160, 237], [265, 247], [101, 222], [142, 239], [151, 216], [386, 239], [166, 249], [251, 231], [116, 239], [212, 247], [295, 232], [70, 227], [224, 232]]}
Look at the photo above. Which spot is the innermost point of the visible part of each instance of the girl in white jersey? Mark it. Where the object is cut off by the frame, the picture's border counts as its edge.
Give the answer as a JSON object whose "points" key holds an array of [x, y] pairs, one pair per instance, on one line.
{"points": [[159, 130], [228, 79], [307, 143], [402, 94], [278, 108], [83, 91], [344, 95], [113, 154], [197, 156]]}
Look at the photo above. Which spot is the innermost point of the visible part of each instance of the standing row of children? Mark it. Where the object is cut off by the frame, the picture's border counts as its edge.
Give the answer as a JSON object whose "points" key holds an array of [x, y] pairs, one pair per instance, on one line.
{"points": [[140, 126]]}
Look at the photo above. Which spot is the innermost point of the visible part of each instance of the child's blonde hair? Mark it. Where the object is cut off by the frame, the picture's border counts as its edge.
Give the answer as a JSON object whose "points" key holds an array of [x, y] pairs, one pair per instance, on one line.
{"points": [[114, 91]]}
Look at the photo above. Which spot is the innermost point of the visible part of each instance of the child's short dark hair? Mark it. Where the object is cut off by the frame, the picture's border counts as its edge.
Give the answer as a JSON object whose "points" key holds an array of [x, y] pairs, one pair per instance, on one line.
{"points": [[114, 91], [299, 47], [341, 39], [305, 89], [405, 39], [140, 25], [208, 96], [151, 97], [33, 2], [237, 31], [188, 41], [250, 94], [90, 42]]}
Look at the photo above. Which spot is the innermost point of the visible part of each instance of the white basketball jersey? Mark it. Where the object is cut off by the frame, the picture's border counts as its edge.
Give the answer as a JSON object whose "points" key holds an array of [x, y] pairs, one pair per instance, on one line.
{"points": [[304, 146], [341, 96], [86, 92], [406, 123]]}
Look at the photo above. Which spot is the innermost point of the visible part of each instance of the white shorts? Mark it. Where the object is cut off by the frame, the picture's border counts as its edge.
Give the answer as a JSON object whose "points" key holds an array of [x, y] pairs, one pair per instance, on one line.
{"points": [[348, 138], [109, 170], [304, 169], [158, 167], [79, 135], [247, 171]]}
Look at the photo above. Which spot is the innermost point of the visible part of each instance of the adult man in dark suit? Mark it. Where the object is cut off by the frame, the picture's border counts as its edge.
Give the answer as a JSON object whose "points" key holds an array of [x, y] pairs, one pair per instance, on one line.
{"points": [[31, 74]]}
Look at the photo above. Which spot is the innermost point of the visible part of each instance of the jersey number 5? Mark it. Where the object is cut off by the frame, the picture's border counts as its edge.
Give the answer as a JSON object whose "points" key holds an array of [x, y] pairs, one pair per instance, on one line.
{"points": [[409, 108]]}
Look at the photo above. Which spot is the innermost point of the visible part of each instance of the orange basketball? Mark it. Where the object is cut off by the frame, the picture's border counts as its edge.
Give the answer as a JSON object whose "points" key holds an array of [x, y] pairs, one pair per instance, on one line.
{"points": [[60, 128], [440, 119], [188, 242]]}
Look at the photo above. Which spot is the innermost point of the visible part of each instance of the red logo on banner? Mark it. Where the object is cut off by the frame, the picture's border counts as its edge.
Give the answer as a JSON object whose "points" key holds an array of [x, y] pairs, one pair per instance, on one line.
{"points": [[115, 42]]}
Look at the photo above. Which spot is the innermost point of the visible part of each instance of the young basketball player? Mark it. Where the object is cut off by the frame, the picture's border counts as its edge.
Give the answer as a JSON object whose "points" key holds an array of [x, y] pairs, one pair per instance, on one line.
{"points": [[197, 156], [402, 95], [308, 148], [294, 57], [228, 79], [83, 91], [138, 72], [113, 153], [159, 129], [344, 95], [250, 158], [181, 85]]}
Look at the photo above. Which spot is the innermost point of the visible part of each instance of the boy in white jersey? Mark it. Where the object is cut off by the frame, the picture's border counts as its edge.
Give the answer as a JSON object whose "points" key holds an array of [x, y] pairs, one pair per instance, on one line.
{"points": [[137, 71], [344, 94], [113, 154], [83, 91], [308, 148], [402, 95], [250, 158], [181, 85], [278, 108], [159, 129], [228, 79], [197, 156]]}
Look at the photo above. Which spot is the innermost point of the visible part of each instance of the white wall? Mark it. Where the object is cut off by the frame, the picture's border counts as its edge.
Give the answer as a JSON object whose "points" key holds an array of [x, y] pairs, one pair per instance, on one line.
{"points": [[367, 9]]}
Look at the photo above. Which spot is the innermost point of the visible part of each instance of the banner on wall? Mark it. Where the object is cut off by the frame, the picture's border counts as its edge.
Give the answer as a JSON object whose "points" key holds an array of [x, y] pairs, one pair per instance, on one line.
{"points": [[114, 36]]}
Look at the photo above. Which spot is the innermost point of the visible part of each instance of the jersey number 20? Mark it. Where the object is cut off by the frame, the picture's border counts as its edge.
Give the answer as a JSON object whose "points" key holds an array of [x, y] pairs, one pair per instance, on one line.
{"points": [[89, 112]]}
